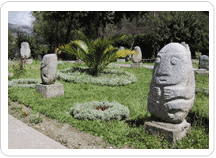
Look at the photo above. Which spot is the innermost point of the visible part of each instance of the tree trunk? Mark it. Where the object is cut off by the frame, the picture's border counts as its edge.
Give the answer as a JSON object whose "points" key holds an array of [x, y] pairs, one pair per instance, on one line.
{"points": [[68, 28]]}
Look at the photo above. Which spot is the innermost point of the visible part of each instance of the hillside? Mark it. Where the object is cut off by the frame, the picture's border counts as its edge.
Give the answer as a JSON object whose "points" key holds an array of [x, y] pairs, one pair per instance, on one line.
{"points": [[23, 28]]}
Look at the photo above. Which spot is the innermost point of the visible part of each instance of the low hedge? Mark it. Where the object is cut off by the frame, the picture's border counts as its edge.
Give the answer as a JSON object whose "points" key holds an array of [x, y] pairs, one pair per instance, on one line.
{"points": [[80, 74], [28, 83]]}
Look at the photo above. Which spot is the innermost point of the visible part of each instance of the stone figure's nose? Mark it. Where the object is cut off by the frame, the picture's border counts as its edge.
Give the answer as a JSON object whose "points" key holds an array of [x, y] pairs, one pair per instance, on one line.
{"points": [[164, 67]]}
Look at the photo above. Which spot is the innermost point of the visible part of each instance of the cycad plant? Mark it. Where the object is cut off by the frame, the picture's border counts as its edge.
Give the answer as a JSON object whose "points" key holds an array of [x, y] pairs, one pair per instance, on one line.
{"points": [[95, 54]]}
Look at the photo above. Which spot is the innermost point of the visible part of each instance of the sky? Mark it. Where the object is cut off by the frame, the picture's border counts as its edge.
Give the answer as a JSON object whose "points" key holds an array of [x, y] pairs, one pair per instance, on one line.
{"points": [[20, 17]]}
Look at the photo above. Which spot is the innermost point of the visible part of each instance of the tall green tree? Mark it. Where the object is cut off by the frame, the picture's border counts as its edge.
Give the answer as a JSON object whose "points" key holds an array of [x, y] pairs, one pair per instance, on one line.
{"points": [[11, 44], [54, 28], [180, 26]]}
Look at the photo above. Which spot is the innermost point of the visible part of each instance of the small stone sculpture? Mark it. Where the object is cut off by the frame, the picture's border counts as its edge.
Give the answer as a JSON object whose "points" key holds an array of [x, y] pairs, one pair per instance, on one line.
{"points": [[204, 62], [172, 89], [25, 50], [137, 57], [49, 69], [121, 48]]}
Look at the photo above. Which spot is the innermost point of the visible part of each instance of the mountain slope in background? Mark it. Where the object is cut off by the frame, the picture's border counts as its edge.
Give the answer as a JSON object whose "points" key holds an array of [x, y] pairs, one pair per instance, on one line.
{"points": [[23, 28]]}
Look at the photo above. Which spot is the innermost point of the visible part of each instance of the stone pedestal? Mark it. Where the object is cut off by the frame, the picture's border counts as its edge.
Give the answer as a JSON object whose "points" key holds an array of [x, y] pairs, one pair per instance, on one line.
{"points": [[52, 90], [120, 60], [136, 65], [28, 61], [202, 72], [172, 132]]}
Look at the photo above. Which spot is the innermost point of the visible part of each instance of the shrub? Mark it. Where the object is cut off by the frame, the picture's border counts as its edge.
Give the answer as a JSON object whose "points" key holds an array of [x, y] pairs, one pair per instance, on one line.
{"points": [[28, 83], [95, 54], [147, 43], [125, 52], [125, 41], [79, 74], [99, 110], [19, 68], [36, 119]]}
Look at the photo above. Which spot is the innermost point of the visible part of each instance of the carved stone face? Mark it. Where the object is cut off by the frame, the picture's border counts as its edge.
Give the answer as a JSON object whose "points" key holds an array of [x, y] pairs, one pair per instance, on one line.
{"points": [[171, 65]]}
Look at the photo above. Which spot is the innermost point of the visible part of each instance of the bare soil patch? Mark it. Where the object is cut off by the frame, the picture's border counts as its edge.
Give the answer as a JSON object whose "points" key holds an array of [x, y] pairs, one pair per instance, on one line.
{"points": [[63, 133]]}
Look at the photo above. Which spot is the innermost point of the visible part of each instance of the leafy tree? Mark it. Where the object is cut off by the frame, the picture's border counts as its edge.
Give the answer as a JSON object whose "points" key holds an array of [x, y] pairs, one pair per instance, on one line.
{"points": [[180, 26], [56, 28], [95, 54], [11, 44]]}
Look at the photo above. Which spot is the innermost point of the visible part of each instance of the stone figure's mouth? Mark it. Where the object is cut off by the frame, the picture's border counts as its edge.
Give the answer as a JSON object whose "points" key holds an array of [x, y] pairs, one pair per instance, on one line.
{"points": [[162, 78], [161, 75]]}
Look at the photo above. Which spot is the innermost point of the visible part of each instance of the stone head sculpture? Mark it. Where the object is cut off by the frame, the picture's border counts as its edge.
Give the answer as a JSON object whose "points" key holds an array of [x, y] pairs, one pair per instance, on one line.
{"points": [[172, 89], [25, 50], [49, 69], [137, 57]]}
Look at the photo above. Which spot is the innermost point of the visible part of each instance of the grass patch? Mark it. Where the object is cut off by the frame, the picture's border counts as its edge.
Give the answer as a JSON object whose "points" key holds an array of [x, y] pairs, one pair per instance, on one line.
{"points": [[133, 96]]}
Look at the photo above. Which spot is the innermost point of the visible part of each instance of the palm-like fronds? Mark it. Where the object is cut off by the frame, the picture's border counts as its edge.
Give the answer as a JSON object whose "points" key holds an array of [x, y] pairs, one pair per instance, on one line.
{"points": [[95, 54]]}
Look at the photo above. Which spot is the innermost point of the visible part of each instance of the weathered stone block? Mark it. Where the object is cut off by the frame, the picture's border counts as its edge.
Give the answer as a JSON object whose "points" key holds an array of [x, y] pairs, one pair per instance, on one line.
{"points": [[49, 68], [52, 90], [120, 60], [172, 132], [202, 72], [10, 74], [137, 57], [172, 89], [136, 65], [25, 50], [204, 62], [29, 61]]}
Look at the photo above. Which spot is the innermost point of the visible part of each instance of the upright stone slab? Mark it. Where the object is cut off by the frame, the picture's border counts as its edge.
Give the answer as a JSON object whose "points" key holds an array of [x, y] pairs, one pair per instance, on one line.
{"points": [[25, 50], [204, 62], [122, 48], [49, 68], [137, 57], [172, 92], [121, 60], [48, 75]]}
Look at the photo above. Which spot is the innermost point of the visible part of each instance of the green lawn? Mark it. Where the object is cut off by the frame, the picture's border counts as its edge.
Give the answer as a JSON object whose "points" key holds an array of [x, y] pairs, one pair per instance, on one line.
{"points": [[134, 96]]}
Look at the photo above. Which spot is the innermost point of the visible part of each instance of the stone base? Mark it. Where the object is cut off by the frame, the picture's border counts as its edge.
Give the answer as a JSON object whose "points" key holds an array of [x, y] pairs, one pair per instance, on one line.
{"points": [[52, 90], [79, 61], [28, 61], [10, 74], [202, 72], [120, 60], [136, 65], [172, 132]]}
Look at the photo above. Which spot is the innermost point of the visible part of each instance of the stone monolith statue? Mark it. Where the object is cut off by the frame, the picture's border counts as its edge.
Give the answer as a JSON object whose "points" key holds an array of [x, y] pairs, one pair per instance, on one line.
{"points": [[49, 68], [172, 89]]}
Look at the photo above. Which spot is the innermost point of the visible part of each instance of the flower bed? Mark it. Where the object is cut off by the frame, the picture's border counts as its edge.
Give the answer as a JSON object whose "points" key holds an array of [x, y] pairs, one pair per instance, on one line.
{"points": [[29, 83], [106, 77], [99, 110]]}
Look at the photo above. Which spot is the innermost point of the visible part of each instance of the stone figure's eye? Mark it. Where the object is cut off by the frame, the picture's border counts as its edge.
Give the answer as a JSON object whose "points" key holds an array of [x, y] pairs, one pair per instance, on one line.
{"points": [[174, 60], [157, 60]]}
